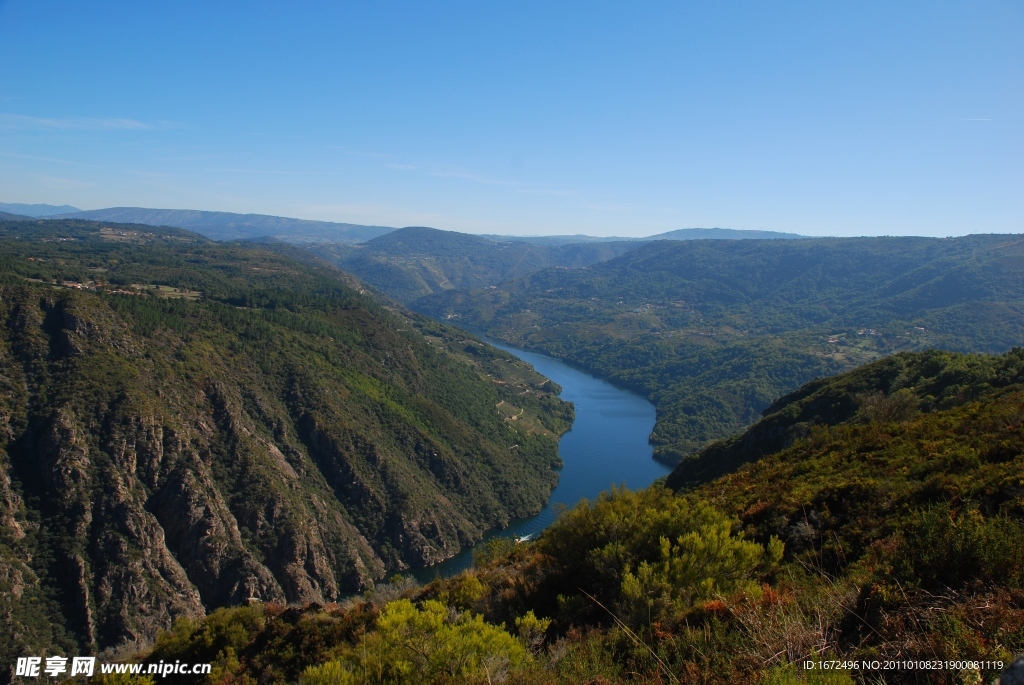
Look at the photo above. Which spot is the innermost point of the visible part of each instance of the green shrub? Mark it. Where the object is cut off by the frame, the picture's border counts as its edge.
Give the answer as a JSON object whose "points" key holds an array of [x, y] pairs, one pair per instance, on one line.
{"points": [[895, 408], [421, 645], [944, 548], [699, 565], [532, 630], [493, 551], [652, 553], [462, 591]]}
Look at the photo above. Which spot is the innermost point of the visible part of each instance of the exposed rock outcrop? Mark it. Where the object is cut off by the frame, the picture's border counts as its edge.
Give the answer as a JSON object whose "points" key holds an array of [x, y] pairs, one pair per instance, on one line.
{"points": [[145, 478]]}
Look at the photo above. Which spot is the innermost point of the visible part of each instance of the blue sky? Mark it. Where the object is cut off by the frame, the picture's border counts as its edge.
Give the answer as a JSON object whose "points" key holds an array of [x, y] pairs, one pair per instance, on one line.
{"points": [[855, 118]]}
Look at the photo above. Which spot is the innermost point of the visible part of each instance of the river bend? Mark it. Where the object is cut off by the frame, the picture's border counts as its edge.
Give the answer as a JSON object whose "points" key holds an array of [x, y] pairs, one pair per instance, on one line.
{"points": [[607, 445]]}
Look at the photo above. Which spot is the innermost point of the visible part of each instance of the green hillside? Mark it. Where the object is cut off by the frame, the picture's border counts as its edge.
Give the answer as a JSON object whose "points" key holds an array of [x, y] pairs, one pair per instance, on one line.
{"points": [[712, 331], [411, 263], [892, 531], [894, 388], [187, 425]]}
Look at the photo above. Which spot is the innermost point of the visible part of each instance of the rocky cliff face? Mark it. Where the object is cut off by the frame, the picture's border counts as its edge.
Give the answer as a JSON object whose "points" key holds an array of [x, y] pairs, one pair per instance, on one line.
{"points": [[152, 469], [157, 498]]}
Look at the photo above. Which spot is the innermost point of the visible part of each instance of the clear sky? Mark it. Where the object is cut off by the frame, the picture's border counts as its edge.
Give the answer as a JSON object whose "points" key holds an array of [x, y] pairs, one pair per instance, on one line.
{"points": [[629, 118]]}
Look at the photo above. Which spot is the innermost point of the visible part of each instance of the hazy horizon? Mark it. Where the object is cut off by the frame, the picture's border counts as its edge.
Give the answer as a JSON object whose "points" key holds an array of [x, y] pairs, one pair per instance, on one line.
{"points": [[525, 119], [535, 235]]}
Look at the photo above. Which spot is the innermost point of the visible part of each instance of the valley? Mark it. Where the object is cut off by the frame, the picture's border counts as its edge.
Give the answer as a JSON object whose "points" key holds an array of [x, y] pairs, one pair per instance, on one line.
{"points": [[511, 343], [239, 437], [713, 331], [607, 445], [881, 521]]}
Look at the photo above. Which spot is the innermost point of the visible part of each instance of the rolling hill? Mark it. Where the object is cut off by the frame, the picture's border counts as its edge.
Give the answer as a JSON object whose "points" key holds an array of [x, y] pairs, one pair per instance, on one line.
{"points": [[724, 234], [417, 262], [36, 210], [679, 234], [414, 262]]}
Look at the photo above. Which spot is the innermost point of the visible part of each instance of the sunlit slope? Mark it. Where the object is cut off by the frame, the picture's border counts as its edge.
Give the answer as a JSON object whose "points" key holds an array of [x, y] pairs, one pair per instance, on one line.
{"points": [[893, 389], [188, 425]]}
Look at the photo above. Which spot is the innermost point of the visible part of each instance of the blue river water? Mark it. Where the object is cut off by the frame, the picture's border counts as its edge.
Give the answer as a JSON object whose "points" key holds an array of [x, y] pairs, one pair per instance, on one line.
{"points": [[608, 445]]}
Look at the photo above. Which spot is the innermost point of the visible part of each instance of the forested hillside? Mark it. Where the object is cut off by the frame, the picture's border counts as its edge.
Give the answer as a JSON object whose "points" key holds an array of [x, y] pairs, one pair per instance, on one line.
{"points": [[888, 536], [186, 425], [895, 388], [714, 331], [411, 263]]}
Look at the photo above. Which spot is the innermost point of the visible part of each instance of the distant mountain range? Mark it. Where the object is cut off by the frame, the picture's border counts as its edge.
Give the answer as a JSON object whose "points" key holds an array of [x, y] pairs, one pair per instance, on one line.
{"points": [[416, 261], [679, 234], [36, 210], [413, 262], [724, 234], [231, 226]]}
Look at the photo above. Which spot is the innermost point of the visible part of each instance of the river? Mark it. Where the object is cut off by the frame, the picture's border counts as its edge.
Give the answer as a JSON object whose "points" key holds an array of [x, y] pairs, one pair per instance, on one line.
{"points": [[606, 446]]}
